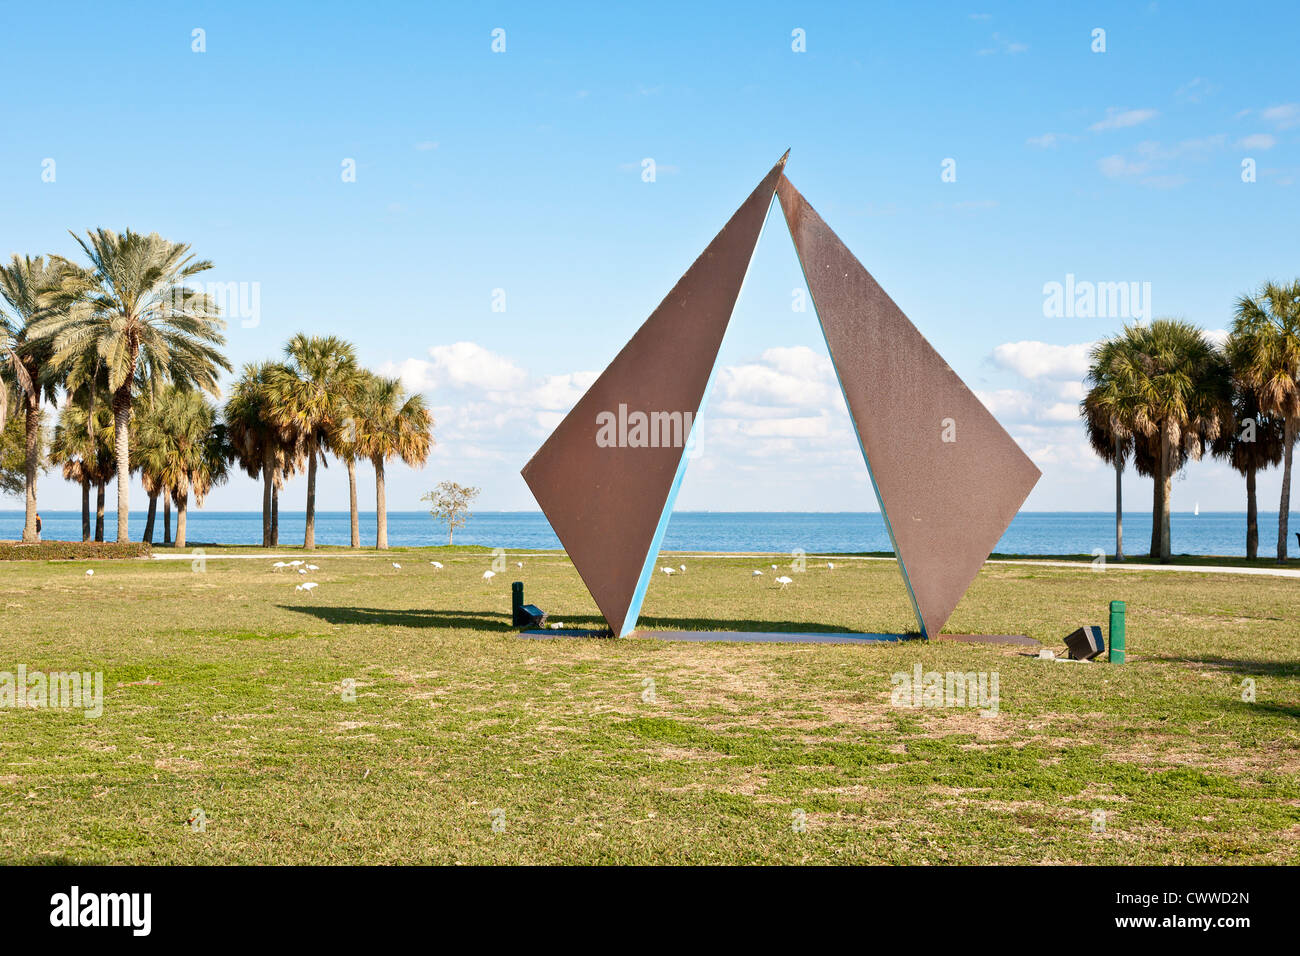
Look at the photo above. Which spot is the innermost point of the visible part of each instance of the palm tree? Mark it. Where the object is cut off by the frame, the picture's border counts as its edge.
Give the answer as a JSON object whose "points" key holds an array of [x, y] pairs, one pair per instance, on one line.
{"points": [[307, 395], [390, 424], [25, 359], [134, 312], [258, 444], [342, 441], [1254, 440], [1169, 386], [1268, 327], [81, 446], [1111, 438], [183, 446]]}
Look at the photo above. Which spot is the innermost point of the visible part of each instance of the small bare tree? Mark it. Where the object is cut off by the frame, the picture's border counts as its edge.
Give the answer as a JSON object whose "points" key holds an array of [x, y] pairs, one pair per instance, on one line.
{"points": [[451, 503]]}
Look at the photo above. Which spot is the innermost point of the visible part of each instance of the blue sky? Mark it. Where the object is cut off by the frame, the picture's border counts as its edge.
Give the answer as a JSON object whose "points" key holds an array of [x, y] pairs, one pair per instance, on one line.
{"points": [[521, 171]]}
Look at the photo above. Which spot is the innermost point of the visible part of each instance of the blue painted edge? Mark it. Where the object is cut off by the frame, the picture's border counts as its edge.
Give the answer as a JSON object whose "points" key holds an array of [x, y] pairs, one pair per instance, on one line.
{"points": [[652, 555], [916, 609]]}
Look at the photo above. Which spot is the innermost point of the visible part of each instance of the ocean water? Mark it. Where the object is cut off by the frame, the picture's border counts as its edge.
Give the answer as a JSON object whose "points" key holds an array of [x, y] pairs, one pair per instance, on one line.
{"points": [[1222, 533]]}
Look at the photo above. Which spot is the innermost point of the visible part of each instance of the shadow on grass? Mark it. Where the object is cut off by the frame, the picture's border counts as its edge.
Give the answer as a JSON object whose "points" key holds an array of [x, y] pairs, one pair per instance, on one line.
{"points": [[735, 624], [1237, 665], [390, 617]]}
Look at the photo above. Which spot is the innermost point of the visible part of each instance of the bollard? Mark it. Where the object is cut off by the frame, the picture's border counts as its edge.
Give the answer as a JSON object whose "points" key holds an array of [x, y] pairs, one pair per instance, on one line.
{"points": [[1117, 632], [516, 602]]}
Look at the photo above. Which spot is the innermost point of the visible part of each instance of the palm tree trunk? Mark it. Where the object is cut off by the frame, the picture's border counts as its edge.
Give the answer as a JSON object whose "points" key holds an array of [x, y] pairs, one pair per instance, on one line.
{"points": [[99, 511], [275, 517], [1157, 506], [309, 536], [182, 507], [148, 522], [33, 439], [1166, 476], [1119, 510], [167, 517], [122, 448], [1284, 509], [352, 502], [1252, 515], [85, 509], [381, 506], [268, 481]]}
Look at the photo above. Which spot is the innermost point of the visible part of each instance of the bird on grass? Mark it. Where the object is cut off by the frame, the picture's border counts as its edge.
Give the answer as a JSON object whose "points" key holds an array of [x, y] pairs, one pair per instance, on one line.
{"points": [[306, 586], [757, 574], [302, 570], [294, 564], [667, 570], [829, 566], [437, 564], [396, 565], [313, 567], [489, 575], [90, 572], [783, 580], [683, 567], [280, 564]]}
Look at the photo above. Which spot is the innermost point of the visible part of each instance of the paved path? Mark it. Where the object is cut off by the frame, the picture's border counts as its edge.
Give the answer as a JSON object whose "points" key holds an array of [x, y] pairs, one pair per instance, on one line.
{"points": [[514, 555]]}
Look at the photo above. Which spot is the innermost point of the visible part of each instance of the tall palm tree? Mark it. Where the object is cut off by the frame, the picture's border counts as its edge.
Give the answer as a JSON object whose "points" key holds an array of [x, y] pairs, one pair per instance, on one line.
{"points": [[1169, 386], [1254, 439], [307, 395], [390, 424], [258, 444], [25, 359], [1111, 438], [82, 446], [1268, 327], [183, 445], [343, 444], [134, 312]]}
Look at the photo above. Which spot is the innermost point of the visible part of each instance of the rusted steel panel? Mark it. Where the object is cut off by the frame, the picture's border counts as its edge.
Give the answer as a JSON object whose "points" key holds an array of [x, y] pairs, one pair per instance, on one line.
{"points": [[948, 477], [608, 505]]}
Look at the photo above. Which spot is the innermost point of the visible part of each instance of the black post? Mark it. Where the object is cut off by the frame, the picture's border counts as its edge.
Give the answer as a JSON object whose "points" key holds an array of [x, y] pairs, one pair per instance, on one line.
{"points": [[517, 615]]}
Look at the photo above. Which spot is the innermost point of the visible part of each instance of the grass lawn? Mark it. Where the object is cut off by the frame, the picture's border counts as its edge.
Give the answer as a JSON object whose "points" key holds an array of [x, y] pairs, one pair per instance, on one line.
{"points": [[225, 691]]}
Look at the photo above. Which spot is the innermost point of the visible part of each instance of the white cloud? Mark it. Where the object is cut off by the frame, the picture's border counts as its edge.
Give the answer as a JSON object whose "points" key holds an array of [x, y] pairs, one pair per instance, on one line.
{"points": [[1039, 360], [1008, 403], [461, 365], [1122, 119], [1257, 141], [1003, 45], [793, 377], [1117, 167], [1284, 116]]}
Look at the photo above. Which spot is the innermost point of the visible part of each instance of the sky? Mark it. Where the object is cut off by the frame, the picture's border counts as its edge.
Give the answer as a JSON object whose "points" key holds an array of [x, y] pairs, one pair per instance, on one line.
{"points": [[482, 223]]}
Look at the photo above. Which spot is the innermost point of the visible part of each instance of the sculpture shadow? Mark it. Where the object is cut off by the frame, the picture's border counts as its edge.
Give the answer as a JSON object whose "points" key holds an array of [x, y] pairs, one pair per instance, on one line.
{"points": [[419, 618], [736, 624]]}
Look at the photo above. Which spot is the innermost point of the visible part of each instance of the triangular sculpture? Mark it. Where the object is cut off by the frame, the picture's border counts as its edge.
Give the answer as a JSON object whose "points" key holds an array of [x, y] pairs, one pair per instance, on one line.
{"points": [[609, 503], [947, 476]]}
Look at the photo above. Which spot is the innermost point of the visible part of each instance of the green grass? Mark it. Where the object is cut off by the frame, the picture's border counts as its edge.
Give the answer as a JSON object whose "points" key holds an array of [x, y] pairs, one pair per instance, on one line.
{"points": [[225, 690]]}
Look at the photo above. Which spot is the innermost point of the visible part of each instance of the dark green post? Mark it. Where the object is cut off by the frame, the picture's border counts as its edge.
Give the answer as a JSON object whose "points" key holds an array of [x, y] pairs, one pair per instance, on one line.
{"points": [[516, 601], [1117, 632]]}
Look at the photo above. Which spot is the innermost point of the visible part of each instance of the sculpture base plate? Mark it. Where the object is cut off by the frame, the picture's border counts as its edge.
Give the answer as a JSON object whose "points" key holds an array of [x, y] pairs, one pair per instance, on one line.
{"points": [[782, 637]]}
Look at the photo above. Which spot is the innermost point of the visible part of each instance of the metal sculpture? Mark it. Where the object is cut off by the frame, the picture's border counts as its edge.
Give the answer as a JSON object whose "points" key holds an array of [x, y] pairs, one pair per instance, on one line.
{"points": [[947, 476]]}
